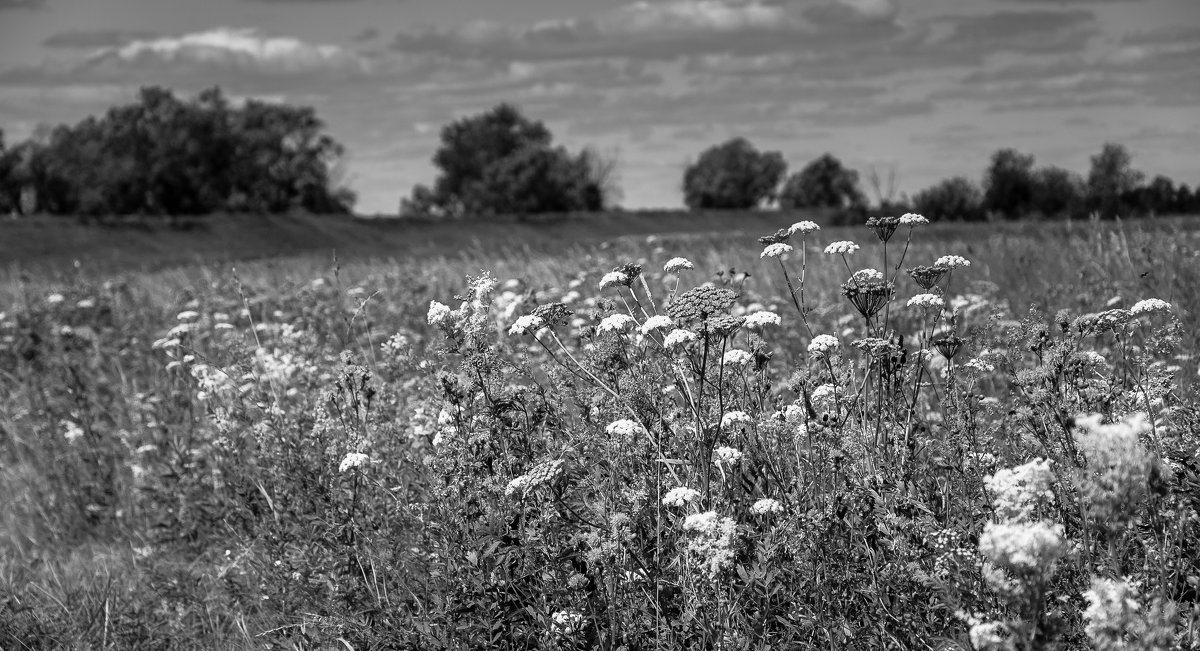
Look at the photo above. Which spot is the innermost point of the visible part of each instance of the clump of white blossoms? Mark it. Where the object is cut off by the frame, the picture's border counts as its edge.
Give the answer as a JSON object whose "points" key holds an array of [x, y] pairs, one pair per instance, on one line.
{"points": [[913, 219], [927, 301], [656, 322], [822, 345], [766, 505], [1022, 547], [1018, 492], [1112, 614], [863, 276], [613, 278], [841, 247], [1117, 478], [803, 228], [737, 357], [680, 496], [528, 324], [187, 315], [992, 636], [353, 460], [713, 539], [438, 313], [71, 430], [616, 323], [726, 456], [759, 320], [1149, 306], [679, 338], [952, 262], [733, 418], [775, 250], [678, 264], [566, 622], [625, 429]]}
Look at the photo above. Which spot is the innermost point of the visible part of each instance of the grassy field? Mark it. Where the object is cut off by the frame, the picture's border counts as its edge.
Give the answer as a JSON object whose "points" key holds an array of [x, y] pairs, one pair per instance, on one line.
{"points": [[302, 453]]}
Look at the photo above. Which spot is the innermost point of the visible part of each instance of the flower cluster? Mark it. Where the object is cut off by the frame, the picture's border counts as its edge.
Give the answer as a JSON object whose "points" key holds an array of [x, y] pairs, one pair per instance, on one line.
{"points": [[701, 303], [735, 418], [912, 219], [927, 301], [841, 247], [822, 345], [1149, 306], [952, 262], [677, 264], [803, 228], [680, 496], [713, 540], [759, 320], [353, 460], [726, 456], [616, 323], [737, 357], [679, 338], [654, 323], [527, 325], [1020, 491], [766, 506], [775, 250]]}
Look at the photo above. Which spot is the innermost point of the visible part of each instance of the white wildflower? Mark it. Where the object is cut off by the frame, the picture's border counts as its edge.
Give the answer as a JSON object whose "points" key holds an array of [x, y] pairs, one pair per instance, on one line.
{"points": [[866, 275], [766, 505], [992, 636], [438, 313], [55, 298], [613, 278], [1112, 611], [737, 357], [1017, 492], [679, 338], [657, 322], [735, 418], [1022, 547], [841, 247], [677, 264], [912, 219], [726, 455], [823, 345], [804, 228], [1149, 306], [927, 301], [566, 622], [187, 315], [759, 320], [71, 431], [952, 262], [680, 496], [528, 324], [353, 460], [775, 250], [625, 428], [980, 365], [616, 323]]}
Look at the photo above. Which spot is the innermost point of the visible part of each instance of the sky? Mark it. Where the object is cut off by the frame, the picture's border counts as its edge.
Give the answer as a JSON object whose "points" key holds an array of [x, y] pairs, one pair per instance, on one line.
{"points": [[917, 90]]}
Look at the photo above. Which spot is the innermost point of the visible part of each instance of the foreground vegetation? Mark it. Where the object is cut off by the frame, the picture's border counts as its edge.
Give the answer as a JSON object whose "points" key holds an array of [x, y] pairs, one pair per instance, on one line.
{"points": [[875, 446]]}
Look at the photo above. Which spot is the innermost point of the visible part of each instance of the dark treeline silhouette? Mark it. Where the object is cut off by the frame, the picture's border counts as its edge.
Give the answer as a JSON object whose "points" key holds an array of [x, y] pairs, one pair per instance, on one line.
{"points": [[161, 155]]}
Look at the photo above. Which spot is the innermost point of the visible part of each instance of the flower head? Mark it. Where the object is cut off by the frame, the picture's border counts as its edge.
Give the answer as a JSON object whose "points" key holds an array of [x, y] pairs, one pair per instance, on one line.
{"points": [[1149, 306], [952, 262], [613, 278], [775, 250], [701, 303], [766, 505], [841, 247], [927, 301], [866, 275], [616, 323], [912, 219], [677, 264], [822, 345], [737, 357], [353, 460], [656, 322], [678, 338], [804, 228], [733, 418], [680, 496], [759, 320], [625, 428], [528, 324], [439, 313]]}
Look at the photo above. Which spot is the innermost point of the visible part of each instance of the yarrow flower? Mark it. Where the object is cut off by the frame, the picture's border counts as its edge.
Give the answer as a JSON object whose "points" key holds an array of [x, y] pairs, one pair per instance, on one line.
{"points": [[927, 301], [823, 345], [1149, 306], [841, 248], [613, 278], [677, 264], [759, 320], [726, 455], [735, 418], [528, 324], [775, 250], [1022, 547], [912, 219], [1020, 490], [438, 313], [656, 322], [952, 262], [766, 505], [804, 228], [625, 428], [737, 357], [713, 540], [866, 275], [616, 323], [979, 365], [353, 460], [680, 496], [1112, 611], [679, 338]]}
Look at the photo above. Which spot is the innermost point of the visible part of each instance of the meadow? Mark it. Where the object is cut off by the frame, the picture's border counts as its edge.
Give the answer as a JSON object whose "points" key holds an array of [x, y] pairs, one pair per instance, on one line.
{"points": [[896, 436]]}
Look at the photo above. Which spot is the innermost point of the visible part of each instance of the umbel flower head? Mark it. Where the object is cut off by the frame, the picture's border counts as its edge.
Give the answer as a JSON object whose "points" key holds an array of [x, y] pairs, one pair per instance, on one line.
{"points": [[766, 506], [804, 228], [912, 220], [948, 346], [927, 301], [630, 270], [952, 262], [841, 247], [526, 325], [353, 460], [725, 325], [780, 236], [553, 314], [616, 323], [656, 322], [680, 496], [779, 249], [884, 227], [679, 338], [822, 345], [759, 320], [868, 296], [614, 278], [1149, 306], [677, 264], [700, 303], [927, 277]]}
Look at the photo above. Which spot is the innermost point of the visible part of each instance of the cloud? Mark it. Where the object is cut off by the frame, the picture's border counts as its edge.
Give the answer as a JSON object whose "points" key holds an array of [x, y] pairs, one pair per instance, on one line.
{"points": [[90, 39], [368, 34], [21, 4]]}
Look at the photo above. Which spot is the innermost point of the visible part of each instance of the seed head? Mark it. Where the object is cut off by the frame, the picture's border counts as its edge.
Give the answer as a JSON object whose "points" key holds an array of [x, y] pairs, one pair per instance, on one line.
{"points": [[884, 227], [700, 303]]}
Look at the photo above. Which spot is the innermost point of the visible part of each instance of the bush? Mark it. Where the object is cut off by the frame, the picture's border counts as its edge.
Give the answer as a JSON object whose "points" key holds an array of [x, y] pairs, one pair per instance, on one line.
{"points": [[957, 199], [733, 176], [823, 183]]}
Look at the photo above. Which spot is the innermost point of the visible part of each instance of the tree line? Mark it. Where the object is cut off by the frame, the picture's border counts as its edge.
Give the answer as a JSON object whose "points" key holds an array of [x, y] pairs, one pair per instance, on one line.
{"points": [[162, 155]]}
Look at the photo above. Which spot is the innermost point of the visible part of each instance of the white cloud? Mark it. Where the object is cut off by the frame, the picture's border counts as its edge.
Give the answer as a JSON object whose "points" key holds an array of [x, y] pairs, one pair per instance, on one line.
{"points": [[240, 48]]}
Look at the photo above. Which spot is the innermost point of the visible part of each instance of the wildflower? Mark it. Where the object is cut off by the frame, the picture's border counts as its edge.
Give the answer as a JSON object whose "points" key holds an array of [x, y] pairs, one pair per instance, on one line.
{"points": [[1022, 547], [625, 428], [780, 236], [726, 455], [912, 219], [1020, 490], [775, 250], [824, 392], [927, 301], [700, 303], [553, 314], [528, 324], [868, 296], [804, 228], [759, 320], [766, 505], [629, 271], [866, 275], [439, 313], [353, 460], [884, 227], [927, 277], [55, 298], [1112, 611], [822, 345], [725, 324], [793, 413], [516, 485], [616, 323], [992, 636], [187, 315], [979, 365], [678, 338], [677, 264], [733, 418], [1149, 306], [952, 262], [656, 322], [713, 540], [71, 431], [566, 622], [612, 279], [680, 496], [841, 248], [948, 346], [1119, 469], [737, 357]]}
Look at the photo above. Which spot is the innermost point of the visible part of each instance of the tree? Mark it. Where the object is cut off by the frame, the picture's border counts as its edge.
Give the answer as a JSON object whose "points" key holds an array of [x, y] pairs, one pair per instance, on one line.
{"points": [[823, 183], [539, 180], [1009, 184], [733, 176], [1057, 192], [1159, 197], [957, 198], [1112, 180]]}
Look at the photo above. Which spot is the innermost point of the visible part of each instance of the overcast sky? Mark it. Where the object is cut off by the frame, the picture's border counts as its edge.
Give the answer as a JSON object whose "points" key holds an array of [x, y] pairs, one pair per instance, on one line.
{"points": [[929, 87]]}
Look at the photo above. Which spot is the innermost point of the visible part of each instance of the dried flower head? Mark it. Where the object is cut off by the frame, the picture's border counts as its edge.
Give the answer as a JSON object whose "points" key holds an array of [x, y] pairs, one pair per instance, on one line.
{"points": [[677, 264], [868, 296], [927, 277], [630, 271], [780, 236], [553, 314], [701, 303], [841, 247], [884, 227], [948, 346], [725, 325]]}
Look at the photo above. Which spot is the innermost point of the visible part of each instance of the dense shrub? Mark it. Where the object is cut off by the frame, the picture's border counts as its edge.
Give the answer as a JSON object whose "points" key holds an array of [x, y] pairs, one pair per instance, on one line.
{"points": [[733, 176], [823, 183], [957, 198]]}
